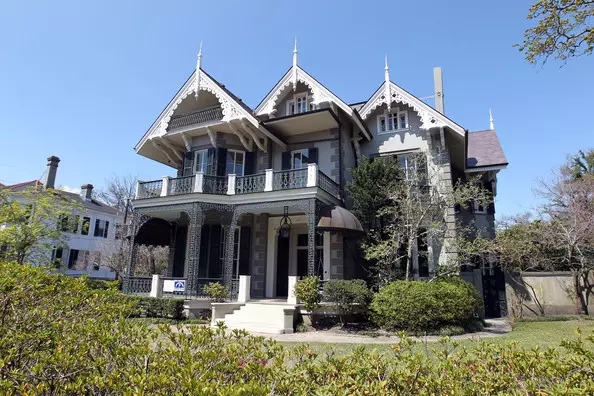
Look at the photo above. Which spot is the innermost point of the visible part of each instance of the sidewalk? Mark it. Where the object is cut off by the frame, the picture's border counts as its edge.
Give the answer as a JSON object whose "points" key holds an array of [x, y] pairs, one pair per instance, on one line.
{"points": [[496, 327]]}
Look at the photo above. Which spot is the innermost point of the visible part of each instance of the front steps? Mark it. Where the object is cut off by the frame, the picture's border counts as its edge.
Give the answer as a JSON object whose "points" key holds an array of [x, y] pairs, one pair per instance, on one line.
{"points": [[257, 317]]}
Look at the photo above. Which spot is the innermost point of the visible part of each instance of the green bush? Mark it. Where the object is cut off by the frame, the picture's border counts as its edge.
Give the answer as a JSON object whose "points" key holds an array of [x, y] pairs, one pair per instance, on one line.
{"points": [[59, 337], [216, 292], [346, 296], [307, 292], [420, 306], [103, 284], [171, 308]]}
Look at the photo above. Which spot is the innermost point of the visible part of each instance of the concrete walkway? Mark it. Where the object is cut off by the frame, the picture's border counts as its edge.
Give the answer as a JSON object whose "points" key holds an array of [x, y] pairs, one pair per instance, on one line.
{"points": [[495, 327]]}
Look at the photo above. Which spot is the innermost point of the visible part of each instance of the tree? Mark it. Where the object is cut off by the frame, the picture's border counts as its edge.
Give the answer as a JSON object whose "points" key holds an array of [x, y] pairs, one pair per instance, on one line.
{"points": [[33, 222], [119, 192], [415, 211], [569, 206], [149, 259], [564, 30], [581, 164]]}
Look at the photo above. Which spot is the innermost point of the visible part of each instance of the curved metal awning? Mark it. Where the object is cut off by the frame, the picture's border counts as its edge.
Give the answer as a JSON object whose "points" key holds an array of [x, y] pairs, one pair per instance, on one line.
{"points": [[336, 218]]}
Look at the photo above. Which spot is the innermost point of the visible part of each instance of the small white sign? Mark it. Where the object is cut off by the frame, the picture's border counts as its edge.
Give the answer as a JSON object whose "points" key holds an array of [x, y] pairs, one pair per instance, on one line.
{"points": [[170, 286]]}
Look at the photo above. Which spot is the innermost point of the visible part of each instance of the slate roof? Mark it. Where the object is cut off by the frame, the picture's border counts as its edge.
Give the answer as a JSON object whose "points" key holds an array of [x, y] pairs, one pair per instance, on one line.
{"points": [[484, 150], [24, 185]]}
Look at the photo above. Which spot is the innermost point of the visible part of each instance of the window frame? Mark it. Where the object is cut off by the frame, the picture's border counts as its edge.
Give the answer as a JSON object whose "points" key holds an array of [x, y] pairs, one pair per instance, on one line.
{"points": [[477, 208], [301, 152], [204, 163], [309, 106], [235, 152], [393, 115]]}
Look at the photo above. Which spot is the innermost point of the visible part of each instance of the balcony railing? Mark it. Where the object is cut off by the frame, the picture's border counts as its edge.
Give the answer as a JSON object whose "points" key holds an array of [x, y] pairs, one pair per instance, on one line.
{"points": [[197, 117], [236, 185]]}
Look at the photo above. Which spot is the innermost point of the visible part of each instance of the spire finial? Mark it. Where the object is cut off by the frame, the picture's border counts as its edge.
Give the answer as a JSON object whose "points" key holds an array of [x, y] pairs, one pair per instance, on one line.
{"points": [[491, 123], [388, 93], [198, 67], [295, 65]]}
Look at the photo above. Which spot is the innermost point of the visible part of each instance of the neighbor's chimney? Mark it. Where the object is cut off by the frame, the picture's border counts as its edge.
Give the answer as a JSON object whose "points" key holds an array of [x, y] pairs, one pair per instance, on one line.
{"points": [[438, 84], [50, 174], [86, 191]]}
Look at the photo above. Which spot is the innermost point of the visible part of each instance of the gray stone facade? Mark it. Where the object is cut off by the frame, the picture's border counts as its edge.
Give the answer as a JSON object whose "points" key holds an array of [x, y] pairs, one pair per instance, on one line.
{"points": [[258, 256]]}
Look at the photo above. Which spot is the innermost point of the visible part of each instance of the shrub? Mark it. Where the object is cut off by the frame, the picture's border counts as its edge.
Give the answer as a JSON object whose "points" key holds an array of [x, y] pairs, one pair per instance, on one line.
{"points": [[216, 292], [345, 295], [425, 306], [171, 308], [103, 284], [307, 291]]}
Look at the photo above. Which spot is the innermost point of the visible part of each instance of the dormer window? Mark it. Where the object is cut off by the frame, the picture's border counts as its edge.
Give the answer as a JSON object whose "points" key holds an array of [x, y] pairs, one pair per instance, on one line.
{"points": [[396, 120], [300, 103]]}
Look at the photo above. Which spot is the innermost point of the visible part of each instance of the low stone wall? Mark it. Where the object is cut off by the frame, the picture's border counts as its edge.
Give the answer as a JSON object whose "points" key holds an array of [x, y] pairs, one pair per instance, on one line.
{"points": [[553, 291]]}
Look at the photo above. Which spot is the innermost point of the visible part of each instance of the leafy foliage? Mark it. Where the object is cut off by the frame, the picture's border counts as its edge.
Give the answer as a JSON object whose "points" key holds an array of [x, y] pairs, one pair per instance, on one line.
{"points": [[565, 30], [34, 221], [171, 308], [307, 292], [58, 337], [216, 292], [425, 306], [346, 296]]}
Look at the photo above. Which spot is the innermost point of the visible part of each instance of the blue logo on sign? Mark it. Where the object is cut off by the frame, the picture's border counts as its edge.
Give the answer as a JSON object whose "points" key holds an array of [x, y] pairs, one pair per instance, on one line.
{"points": [[179, 285]]}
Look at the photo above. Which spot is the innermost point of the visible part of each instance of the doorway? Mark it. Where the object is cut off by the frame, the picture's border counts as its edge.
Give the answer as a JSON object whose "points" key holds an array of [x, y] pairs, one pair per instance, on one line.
{"points": [[282, 267]]}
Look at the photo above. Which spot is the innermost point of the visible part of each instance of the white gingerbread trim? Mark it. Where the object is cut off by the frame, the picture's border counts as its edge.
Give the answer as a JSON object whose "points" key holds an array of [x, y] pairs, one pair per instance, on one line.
{"points": [[430, 118], [319, 94]]}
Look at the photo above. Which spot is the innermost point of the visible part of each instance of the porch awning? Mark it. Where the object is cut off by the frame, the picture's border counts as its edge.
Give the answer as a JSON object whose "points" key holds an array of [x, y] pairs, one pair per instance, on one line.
{"points": [[336, 218]]}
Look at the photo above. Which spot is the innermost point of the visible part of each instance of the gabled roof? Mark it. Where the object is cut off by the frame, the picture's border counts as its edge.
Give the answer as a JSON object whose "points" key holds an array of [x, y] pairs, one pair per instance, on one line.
{"points": [[233, 107], [484, 150], [24, 185], [92, 204], [430, 117], [319, 92]]}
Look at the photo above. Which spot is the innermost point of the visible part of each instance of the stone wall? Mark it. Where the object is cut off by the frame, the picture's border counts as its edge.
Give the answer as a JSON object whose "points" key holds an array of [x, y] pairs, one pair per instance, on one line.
{"points": [[259, 246]]}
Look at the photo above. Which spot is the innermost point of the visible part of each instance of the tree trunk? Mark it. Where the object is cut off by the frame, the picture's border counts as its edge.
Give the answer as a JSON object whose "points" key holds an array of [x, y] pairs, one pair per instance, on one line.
{"points": [[580, 304], [408, 259], [152, 265]]}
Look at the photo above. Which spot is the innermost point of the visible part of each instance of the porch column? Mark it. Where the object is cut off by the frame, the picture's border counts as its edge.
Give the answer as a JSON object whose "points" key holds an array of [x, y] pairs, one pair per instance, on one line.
{"points": [[311, 236], [192, 261], [229, 247], [132, 251]]}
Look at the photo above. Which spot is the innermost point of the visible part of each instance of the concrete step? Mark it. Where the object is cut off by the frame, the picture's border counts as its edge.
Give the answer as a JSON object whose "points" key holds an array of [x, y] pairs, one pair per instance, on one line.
{"points": [[261, 318]]}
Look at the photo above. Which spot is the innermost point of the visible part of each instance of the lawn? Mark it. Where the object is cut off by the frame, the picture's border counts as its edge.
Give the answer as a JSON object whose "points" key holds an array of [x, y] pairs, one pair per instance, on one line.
{"points": [[526, 334]]}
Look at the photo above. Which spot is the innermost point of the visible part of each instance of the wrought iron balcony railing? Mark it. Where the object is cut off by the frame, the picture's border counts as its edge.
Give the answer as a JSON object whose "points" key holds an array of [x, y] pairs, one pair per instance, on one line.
{"points": [[196, 118], [237, 185]]}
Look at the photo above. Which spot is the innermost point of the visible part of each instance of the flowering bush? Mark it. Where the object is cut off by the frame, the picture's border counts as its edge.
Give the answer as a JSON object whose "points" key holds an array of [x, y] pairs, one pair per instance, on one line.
{"points": [[58, 337]]}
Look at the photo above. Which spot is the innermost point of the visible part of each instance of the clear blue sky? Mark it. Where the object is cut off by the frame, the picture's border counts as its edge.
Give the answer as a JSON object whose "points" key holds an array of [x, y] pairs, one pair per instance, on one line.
{"points": [[84, 80]]}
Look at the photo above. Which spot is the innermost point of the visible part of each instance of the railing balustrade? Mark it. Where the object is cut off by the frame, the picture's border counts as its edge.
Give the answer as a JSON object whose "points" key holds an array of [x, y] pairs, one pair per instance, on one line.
{"points": [[139, 285], [181, 185], [149, 189], [328, 185], [250, 184], [289, 179], [215, 185], [197, 117]]}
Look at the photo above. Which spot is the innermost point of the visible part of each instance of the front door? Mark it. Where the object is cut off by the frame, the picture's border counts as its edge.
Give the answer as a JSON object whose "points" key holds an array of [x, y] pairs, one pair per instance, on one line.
{"points": [[282, 267]]}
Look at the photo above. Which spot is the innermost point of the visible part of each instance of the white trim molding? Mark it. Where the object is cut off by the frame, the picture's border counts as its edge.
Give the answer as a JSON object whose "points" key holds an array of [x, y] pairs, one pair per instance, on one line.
{"points": [[430, 118]]}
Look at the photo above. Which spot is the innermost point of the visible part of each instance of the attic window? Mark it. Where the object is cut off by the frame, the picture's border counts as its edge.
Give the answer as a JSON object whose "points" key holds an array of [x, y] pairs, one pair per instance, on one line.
{"points": [[396, 120], [300, 103]]}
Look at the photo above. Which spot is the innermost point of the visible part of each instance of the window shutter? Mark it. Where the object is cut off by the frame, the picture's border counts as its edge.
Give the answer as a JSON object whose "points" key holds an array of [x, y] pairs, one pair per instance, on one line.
{"points": [[313, 155], [188, 163], [215, 268], [286, 160], [250, 163], [244, 251], [96, 233], [221, 161], [106, 229]]}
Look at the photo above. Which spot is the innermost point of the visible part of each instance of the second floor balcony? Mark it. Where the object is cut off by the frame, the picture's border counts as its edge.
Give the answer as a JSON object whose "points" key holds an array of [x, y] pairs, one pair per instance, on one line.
{"points": [[196, 118], [232, 185]]}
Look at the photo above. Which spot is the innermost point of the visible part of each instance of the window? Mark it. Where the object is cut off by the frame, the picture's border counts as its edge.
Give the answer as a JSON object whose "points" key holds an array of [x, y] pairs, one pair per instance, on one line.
{"points": [[299, 159], [302, 255], [86, 224], [73, 259], [57, 256], [415, 167], [201, 161], [299, 104], [423, 253], [396, 120], [68, 223], [101, 228], [235, 162], [236, 245], [478, 208]]}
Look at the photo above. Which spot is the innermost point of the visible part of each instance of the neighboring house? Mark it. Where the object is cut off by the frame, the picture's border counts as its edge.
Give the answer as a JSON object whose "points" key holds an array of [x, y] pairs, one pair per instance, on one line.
{"points": [[90, 234], [261, 192]]}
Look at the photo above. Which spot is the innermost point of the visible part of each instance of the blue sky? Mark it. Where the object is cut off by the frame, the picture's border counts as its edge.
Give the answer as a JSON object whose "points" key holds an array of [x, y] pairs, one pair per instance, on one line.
{"points": [[85, 80]]}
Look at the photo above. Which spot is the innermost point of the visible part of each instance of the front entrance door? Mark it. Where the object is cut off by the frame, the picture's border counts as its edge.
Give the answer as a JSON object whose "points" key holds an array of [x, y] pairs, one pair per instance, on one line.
{"points": [[282, 267]]}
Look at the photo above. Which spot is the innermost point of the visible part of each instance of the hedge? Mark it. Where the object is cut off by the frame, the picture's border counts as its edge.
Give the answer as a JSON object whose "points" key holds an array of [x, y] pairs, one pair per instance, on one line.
{"points": [[59, 337], [345, 295], [421, 306], [153, 307]]}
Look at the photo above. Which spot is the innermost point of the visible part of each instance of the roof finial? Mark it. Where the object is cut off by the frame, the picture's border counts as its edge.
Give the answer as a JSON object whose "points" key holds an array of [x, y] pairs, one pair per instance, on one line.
{"points": [[491, 123], [295, 65], [198, 67], [388, 92]]}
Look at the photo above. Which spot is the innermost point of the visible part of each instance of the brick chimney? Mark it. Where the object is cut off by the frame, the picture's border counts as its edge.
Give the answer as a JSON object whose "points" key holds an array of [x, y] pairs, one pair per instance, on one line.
{"points": [[50, 174], [438, 84], [86, 191]]}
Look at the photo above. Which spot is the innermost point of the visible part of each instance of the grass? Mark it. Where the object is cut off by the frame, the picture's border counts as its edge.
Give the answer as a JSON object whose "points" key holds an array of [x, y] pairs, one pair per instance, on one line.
{"points": [[170, 321], [527, 334]]}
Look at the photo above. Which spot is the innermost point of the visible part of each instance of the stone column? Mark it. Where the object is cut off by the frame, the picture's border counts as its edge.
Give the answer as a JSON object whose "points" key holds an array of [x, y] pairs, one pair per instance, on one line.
{"points": [[193, 260], [258, 254]]}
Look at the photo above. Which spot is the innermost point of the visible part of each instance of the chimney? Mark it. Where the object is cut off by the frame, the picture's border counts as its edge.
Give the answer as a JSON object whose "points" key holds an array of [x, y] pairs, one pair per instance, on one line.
{"points": [[86, 191], [438, 84], [50, 174]]}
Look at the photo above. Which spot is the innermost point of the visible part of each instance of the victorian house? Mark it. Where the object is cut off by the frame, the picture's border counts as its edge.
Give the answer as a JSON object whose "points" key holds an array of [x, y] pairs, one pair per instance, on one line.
{"points": [[261, 191]]}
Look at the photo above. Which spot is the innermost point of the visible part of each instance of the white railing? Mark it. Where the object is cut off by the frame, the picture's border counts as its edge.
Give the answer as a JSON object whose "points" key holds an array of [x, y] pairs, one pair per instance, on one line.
{"points": [[232, 184]]}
